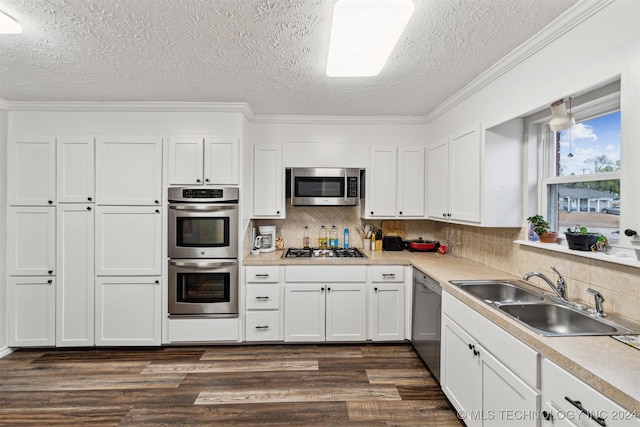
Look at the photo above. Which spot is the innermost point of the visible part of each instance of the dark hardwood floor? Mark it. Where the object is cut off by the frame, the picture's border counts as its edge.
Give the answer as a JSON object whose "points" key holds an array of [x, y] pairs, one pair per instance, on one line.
{"points": [[259, 385]]}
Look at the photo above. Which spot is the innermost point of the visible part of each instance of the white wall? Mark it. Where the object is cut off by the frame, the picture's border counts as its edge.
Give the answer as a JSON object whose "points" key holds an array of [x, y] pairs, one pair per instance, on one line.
{"points": [[4, 341]]}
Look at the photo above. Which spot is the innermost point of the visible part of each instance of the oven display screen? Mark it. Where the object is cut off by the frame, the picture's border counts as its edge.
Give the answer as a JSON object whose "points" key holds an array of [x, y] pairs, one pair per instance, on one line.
{"points": [[202, 232], [203, 287]]}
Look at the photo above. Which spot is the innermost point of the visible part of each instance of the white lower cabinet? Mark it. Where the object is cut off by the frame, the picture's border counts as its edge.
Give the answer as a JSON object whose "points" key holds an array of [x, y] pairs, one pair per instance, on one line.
{"points": [[387, 313], [32, 311], [75, 278], [325, 303], [485, 390], [128, 310], [263, 296], [567, 401]]}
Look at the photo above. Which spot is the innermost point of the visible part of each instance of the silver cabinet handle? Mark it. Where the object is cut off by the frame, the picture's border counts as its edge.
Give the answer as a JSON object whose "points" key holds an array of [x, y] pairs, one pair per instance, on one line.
{"points": [[388, 275], [262, 298]]}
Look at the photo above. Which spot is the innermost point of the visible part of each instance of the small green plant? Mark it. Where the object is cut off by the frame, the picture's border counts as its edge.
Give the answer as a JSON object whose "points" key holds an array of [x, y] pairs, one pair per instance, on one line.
{"points": [[539, 224], [583, 230]]}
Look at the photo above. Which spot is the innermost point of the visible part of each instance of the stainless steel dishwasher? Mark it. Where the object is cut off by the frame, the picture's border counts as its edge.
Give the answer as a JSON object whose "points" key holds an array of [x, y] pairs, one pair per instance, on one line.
{"points": [[427, 308]]}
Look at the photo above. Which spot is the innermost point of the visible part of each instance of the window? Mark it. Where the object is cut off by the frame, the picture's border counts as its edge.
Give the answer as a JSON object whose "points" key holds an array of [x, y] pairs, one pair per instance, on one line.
{"points": [[581, 169]]}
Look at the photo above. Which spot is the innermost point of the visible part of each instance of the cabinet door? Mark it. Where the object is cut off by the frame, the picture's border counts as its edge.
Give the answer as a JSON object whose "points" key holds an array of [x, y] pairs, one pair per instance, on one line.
{"points": [[505, 397], [461, 373], [128, 310], [304, 312], [75, 278], [387, 312], [381, 185], [438, 180], [32, 171], [32, 241], [346, 312], [268, 191], [32, 311], [411, 182], [465, 179], [221, 160], [186, 160], [129, 171], [128, 241], [75, 171]]}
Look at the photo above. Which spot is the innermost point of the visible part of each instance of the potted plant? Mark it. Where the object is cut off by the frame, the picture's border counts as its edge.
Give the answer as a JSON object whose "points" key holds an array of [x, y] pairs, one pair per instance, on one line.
{"points": [[542, 229], [579, 239]]}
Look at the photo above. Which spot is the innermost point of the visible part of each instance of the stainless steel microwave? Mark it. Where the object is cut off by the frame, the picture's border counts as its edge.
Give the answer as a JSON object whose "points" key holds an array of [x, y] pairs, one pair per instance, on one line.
{"points": [[325, 186]]}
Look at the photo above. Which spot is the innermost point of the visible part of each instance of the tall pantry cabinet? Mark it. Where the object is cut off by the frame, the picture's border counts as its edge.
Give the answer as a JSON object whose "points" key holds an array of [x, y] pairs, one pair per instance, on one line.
{"points": [[53, 285]]}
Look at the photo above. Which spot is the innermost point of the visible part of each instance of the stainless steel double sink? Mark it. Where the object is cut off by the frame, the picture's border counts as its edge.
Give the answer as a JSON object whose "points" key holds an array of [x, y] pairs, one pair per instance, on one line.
{"points": [[544, 314]]}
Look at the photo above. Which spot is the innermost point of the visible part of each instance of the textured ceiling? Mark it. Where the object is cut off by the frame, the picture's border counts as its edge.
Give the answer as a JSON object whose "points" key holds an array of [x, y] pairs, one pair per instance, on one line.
{"points": [[270, 54]]}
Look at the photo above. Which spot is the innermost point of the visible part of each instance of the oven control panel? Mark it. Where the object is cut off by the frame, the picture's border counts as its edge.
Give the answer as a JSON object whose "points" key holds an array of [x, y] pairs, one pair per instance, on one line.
{"points": [[203, 194]]}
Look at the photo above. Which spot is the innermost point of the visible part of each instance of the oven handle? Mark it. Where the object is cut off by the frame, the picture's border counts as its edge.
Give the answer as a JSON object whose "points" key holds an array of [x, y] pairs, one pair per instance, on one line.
{"points": [[201, 264], [203, 207]]}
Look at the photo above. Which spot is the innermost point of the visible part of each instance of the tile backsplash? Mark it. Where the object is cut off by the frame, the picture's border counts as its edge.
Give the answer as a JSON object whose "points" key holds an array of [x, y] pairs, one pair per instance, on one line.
{"points": [[620, 285]]}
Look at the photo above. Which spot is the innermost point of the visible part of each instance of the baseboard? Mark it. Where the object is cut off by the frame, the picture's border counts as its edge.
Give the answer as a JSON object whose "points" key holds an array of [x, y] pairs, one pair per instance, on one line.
{"points": [[5, 351]]}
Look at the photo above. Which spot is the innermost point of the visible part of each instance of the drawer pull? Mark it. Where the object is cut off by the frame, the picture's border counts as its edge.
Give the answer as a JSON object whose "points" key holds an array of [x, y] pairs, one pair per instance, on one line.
{"points": [[262, 298], [388, 275], [578, 405], [262, 276], [262, 327]]}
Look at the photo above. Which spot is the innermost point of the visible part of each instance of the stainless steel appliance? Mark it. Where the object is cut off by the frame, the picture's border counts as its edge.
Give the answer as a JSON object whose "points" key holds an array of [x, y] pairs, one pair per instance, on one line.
{"points": [[427, 307], [204, 287], [325, 186], [203, 222], [324, 253], [203, 251]]}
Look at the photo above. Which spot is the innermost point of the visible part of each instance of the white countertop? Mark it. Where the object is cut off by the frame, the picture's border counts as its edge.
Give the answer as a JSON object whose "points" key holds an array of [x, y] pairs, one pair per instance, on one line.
{"points": [[609, 366]]}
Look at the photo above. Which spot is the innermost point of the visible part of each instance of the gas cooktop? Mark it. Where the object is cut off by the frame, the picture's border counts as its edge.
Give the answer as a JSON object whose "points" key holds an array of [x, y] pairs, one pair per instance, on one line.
{"points": [[324, 253]]}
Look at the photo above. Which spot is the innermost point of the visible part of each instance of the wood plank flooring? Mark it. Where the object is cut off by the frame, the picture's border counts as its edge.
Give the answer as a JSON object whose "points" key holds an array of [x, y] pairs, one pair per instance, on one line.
{"points": [[259, 385]]}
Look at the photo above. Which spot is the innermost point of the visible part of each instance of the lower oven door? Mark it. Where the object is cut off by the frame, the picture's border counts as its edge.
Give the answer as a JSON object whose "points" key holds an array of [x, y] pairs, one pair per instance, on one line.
{"points": [[199, 287]]}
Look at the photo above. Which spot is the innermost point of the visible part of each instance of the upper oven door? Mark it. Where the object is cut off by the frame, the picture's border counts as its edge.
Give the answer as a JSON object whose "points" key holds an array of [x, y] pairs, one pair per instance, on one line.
{"points": [[203, 230]]}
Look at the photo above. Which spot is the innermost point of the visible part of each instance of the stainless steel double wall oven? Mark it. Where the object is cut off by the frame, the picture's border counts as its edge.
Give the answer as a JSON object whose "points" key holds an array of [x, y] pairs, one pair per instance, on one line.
{"points": [[203, 251]]}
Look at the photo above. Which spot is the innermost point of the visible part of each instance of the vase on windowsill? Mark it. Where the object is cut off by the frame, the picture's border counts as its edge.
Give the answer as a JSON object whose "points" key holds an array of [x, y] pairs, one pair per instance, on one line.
{"points": [[548, 237]]}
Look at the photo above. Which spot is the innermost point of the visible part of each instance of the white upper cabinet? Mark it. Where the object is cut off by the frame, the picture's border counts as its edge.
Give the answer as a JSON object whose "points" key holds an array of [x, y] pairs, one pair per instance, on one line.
{"points": [[221, 160], [128, 241], [474, 176], [268, 188], [204, 160], [76, 170], [395, 183], [32, 171], [31, 241], [129, 170]]}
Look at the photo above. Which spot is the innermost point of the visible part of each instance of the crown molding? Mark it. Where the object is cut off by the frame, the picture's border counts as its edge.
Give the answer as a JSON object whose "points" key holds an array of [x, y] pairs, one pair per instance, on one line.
{"points": [[339, 120], [216, 107], [573, 17]]}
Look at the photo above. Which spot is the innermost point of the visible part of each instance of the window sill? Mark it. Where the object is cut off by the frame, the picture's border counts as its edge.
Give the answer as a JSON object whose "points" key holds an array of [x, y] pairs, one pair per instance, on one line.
{"points": [[620, 256]]}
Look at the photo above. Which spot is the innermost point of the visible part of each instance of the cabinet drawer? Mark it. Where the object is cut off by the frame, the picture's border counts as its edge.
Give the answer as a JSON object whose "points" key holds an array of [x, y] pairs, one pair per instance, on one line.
{"points": [[263, 274], [263, 326], [263, 297], [516, 355], [387, 273], [559, 385]]}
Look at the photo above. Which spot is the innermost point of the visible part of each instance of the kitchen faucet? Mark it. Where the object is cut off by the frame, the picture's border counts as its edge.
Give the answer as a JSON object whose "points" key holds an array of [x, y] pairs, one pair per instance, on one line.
{"points": [[560, 288], [599, 299]]}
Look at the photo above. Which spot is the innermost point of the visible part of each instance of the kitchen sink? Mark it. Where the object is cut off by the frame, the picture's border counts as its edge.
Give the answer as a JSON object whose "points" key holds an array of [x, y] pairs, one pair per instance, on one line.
{"points": [[551, 319], [497, 291], [544, 314]]}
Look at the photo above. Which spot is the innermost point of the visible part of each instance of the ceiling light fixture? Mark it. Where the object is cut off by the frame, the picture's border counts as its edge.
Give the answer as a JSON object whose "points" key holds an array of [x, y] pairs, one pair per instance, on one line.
{"points": [[8, 25], [363, 34]]}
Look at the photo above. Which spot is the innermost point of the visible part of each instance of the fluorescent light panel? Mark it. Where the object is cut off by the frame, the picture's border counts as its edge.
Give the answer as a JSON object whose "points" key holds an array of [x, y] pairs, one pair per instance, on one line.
{"points": [[8, 25], [363, 34]]}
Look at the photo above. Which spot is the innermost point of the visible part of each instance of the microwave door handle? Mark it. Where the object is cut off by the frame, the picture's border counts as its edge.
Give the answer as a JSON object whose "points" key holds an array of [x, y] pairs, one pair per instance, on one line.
{"points": [[201, 264], [346, 187]]}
